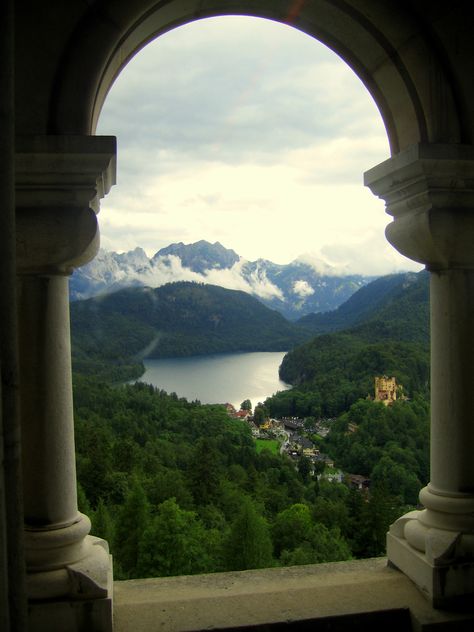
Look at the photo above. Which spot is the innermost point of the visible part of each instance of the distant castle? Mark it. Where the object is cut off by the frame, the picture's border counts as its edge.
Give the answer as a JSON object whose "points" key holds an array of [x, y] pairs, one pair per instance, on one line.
{"points": [[385, 390]]}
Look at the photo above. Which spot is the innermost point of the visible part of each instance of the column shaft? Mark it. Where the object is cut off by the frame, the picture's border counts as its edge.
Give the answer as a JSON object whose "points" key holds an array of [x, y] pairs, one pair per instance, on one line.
{"points": [[452, 371], [47, 416]]}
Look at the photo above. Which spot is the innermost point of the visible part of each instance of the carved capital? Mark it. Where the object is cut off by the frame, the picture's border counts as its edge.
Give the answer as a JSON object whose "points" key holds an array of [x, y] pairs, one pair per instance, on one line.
{"points": [[429, 191], [64, 171], [59, 183]]}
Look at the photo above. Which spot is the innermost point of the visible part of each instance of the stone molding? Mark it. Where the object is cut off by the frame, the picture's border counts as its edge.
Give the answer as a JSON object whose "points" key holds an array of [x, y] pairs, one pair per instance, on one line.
{"points": [[345, 596], [429, 191], [64, 171]]}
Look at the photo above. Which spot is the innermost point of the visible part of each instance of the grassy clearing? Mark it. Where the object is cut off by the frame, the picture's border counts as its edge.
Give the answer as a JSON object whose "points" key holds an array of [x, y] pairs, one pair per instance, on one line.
{"points": [[267, 444]]}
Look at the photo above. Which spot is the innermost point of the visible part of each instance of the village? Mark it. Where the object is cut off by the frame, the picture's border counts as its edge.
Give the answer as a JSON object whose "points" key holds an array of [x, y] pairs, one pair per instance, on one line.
{"points": [[297, 438]]}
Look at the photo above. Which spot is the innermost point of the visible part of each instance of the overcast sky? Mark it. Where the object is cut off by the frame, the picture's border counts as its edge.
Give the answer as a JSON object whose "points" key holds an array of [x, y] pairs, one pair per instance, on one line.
{"points": [[250, 133]]}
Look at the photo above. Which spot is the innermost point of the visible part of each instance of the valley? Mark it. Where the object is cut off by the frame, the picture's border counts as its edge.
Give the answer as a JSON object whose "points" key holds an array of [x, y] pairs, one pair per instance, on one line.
{"points": [[227, 490]]}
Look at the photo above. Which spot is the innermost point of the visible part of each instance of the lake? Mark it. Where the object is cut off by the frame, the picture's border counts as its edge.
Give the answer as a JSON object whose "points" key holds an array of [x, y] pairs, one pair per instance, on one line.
{"points": [[220, 378]]}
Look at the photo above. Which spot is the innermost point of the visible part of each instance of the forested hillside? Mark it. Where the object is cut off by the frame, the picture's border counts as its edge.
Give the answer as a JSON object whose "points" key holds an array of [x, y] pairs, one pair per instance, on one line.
{"points": [[176, 487], [177, 319], [388, 444], [334, 370], [111, 334], [381, 293]]}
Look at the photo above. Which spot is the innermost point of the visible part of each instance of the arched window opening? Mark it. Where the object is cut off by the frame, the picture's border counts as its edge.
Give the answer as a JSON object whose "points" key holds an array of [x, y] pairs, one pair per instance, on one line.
{"points": [[251, 135]]}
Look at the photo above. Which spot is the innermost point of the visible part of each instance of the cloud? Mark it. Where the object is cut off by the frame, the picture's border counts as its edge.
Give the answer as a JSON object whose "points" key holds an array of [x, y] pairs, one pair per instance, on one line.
{"points": [[322, 265], [302, 288], [372, 256], [250, 133], [261, 211], [167, 269], [234, 88]]}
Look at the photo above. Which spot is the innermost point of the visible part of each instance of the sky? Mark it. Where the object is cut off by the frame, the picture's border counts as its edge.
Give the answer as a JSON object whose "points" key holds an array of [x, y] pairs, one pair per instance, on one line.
{"points": [[251, 133]]}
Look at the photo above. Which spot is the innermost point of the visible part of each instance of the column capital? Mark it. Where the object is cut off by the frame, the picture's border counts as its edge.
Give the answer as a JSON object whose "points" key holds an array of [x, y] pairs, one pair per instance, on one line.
{"points": [[59, 183], [64, 171], [429, 191]]}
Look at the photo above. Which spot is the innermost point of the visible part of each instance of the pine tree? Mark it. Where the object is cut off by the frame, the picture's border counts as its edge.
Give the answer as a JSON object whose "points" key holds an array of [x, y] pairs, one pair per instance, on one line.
{"points": [[205, 471], [102, 523], [249, 544], [133, 519]]}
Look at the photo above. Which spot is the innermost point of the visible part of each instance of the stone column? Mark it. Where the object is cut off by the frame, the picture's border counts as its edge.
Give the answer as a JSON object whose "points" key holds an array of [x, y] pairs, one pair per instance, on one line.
{"points": [[59, 181], [429, 191]]}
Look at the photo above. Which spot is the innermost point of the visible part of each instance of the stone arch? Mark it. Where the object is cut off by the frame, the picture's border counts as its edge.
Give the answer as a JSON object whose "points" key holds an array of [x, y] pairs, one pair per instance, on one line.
{"points": [[387, 49]]}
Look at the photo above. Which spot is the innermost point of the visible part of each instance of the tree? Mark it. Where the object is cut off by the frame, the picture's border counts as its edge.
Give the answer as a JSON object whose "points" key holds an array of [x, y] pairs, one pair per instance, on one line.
{"points": [[95, 465], [319, 467], [304, 468], [309, 423], [328, 545], [82, 502], [292, 527], [330, 513], [259, 414], [246, 405], [249, 544], [205, 471], [102, 522], [132, 520], [398, 480], [176, 543], [376, 517], [300, 540]]}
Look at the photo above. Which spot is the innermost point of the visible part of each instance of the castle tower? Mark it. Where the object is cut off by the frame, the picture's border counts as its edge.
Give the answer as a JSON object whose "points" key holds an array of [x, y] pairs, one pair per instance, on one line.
{"points": [[385, 390]]}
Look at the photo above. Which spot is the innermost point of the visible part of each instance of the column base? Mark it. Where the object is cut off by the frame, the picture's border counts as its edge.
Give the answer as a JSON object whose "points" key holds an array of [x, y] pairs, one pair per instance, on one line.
{"points": [[440, 562], [75, 597], [70, 616]]}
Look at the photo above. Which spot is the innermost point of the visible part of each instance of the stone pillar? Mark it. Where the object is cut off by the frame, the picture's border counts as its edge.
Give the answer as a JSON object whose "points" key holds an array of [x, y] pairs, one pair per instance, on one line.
{"points": [[429, 191], [59, 181]]}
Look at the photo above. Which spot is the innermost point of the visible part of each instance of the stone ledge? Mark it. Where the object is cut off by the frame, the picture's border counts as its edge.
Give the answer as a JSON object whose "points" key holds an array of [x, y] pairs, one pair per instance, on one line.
{"points": [[358, 595]]}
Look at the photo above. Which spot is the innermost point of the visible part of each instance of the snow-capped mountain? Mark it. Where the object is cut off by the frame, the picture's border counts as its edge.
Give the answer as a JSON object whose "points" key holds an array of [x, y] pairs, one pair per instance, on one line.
{"points": [[294, 289]]}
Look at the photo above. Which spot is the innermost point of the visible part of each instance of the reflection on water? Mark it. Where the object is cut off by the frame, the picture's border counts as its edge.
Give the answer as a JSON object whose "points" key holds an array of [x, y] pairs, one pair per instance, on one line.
{"points": [[221, 378]]}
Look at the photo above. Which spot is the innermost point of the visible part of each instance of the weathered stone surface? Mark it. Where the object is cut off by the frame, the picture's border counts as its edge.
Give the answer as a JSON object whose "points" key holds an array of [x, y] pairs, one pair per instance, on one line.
{"points": [[364, 594]]}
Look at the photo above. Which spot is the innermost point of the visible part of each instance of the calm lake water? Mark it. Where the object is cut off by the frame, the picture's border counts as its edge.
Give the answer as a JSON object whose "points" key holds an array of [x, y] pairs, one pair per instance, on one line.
{"points": [[220, 378]]}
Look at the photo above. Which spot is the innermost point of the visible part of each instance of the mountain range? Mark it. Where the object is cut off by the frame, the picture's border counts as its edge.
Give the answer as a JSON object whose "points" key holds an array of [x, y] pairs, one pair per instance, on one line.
{"points": [[295, 289], [382, 298]]}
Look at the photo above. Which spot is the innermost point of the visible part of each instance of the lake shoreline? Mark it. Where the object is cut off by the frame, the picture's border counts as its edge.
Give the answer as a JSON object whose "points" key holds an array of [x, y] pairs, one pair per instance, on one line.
{"points": [[218, 378]]}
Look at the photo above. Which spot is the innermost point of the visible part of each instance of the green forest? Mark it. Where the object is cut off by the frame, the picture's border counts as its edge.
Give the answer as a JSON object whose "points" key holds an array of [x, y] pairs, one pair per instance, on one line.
{"points": [[333, 370], [177, 487]]}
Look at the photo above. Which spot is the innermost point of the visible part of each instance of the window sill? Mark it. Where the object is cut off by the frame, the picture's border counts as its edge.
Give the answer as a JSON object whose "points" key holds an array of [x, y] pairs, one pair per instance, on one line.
{"points": [[362, 594]]}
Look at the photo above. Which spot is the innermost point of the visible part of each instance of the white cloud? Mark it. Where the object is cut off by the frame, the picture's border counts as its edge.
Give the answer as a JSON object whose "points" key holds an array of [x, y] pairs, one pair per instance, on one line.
{"points": [[167, 269], [370, 254], [302, 288], [322, 265]]}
